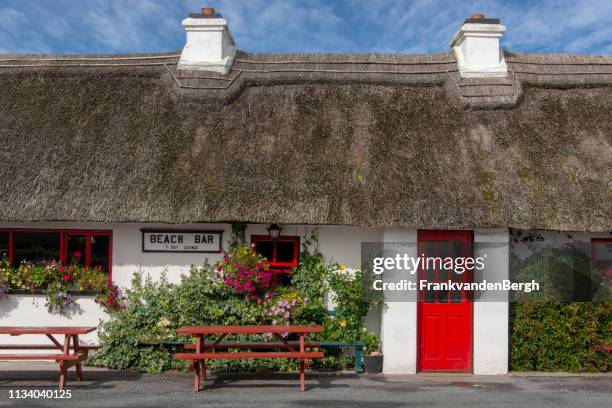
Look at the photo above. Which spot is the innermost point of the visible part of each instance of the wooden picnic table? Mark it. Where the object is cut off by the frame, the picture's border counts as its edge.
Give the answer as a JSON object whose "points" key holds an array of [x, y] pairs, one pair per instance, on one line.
{"points": [[205, 351], [71, 354]]}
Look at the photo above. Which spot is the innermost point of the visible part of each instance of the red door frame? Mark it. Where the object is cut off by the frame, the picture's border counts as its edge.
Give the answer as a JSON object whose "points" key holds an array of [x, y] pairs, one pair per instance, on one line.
{"points": [[63, 240], [437, 235]]}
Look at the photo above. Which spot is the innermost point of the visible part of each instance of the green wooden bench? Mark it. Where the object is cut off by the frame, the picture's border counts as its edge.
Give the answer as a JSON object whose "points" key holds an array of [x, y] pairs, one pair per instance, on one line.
{"points": [[358, 347]]}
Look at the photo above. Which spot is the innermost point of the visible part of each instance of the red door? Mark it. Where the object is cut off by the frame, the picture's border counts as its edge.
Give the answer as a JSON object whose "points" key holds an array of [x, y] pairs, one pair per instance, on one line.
{"points": [[444, 316]]}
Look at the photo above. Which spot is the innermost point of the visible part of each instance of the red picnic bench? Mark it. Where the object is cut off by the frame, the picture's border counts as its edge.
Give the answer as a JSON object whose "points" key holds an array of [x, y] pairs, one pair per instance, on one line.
{"points": [[290, 349], [65, 359]]}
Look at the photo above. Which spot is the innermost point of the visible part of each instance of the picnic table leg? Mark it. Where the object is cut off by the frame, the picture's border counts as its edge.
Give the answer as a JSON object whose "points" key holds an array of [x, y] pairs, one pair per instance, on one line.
{"points": [[203, 370], [302, 375], [197, 366], [62, 363], [62, 382], [196, 371], [75, 340]]}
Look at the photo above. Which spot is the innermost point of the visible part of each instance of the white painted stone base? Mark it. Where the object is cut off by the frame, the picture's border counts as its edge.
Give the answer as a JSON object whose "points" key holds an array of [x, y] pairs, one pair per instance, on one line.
{"points": [[490, 338], [399, 332]]}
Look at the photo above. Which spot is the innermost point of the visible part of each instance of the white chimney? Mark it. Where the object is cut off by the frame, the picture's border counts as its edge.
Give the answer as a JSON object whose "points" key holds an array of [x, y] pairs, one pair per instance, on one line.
{"points": [[210, 46], [476, 46]]}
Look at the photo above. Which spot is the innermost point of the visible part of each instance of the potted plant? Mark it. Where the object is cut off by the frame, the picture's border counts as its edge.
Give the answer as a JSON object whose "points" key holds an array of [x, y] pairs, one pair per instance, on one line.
{"points": [[373, 358]]}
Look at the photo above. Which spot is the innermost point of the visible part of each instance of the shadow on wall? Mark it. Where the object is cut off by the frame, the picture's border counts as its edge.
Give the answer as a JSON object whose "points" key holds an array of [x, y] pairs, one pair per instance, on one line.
{"points": [[7, 305], [13, 300]]}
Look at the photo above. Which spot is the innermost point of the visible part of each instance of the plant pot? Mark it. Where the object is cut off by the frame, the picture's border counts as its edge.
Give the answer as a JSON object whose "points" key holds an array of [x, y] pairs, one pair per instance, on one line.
{"points": [[373, 363]]}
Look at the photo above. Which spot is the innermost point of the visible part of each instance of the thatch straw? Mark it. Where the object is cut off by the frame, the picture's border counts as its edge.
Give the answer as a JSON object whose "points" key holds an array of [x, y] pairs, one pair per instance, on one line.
{"points": [[370, 140]]}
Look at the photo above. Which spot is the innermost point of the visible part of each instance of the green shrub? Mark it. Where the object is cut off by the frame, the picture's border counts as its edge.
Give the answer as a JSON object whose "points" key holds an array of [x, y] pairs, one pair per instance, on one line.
{"points": [[550, 329], [560, 336]]}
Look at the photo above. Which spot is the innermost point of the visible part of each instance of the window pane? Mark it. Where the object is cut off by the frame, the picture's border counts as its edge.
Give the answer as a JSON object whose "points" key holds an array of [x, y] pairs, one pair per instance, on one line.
{"points": [[265, 249], [38, 247], [430, 296], [4, 244], [443, 294], [443, 249], [100, 251], [430, 248], [284, 251], [459, 249], [603, 255], [75, 249], [456, 294]]}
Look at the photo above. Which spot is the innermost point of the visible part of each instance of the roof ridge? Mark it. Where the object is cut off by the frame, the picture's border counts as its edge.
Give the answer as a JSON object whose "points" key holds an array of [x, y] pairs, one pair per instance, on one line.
{"points": [[68, 58], [556, 58], [364, 62]]}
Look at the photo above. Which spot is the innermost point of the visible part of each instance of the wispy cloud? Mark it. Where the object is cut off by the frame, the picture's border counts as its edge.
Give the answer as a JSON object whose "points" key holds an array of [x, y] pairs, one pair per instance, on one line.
{"points": [[118, 26]]}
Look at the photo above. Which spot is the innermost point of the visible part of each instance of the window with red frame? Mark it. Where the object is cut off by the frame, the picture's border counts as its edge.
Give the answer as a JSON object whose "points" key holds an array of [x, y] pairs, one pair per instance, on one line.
{"points": [[85, 247], [282, 255], [601, 255]]}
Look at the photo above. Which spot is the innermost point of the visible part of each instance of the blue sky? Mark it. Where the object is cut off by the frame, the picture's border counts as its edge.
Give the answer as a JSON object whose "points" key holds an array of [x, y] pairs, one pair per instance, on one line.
{"points": [[120, 26]]}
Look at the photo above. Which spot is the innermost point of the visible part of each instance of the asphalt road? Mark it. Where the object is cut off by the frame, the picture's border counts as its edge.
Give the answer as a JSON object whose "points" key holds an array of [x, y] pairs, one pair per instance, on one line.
{"points": [[131, 389]]}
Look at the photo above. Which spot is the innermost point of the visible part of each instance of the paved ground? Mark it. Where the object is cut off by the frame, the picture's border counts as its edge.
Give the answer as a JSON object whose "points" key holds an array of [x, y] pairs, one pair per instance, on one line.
{"points": [[131, 389]]}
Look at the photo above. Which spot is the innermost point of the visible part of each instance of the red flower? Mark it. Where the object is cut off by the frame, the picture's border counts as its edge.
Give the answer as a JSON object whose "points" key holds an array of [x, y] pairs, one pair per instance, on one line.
{"points": [[66, 277], [61, 268], [77, 254]]}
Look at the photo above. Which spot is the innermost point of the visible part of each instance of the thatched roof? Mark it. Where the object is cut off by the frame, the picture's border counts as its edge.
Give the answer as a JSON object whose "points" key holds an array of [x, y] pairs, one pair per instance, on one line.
{"points": [[370, 140]]}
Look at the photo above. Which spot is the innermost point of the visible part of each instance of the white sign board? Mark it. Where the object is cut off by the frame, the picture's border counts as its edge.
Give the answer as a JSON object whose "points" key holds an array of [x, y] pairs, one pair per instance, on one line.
{"points": [[181, 241]]}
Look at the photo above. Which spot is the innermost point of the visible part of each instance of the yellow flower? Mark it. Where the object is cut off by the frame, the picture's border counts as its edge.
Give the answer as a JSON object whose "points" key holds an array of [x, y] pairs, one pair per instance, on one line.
{"points": [[343, 323], [341, 267]]}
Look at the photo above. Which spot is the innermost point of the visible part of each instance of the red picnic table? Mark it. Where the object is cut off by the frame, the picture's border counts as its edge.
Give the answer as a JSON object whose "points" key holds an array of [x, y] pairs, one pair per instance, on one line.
{"points": [[66, 359], [291, 349]]}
